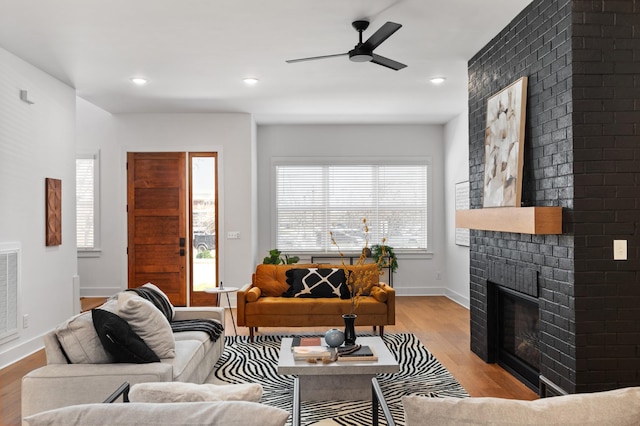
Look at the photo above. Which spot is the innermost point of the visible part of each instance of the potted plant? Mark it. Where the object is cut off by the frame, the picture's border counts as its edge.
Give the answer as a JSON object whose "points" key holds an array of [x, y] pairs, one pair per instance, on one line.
{"points": [[276, 258], [379, 251]]}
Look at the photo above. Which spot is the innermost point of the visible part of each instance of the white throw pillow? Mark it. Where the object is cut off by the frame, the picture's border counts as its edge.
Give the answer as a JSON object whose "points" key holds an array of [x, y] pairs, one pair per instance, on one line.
{"points": [[191, 392], [79, 339], [228, 413], [619, 407], [147, 322], [154, 287]]}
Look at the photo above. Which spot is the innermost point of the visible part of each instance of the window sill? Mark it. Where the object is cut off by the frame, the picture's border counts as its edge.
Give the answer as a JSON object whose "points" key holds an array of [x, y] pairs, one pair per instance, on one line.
{"points": [[89, 253]]}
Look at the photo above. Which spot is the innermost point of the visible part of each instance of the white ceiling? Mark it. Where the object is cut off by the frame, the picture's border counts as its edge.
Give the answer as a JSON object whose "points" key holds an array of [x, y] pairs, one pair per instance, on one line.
{"points": [[195, 54]]}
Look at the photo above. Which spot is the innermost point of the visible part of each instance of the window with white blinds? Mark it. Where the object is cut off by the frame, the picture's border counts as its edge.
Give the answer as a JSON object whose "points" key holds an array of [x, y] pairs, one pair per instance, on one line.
{"points": [[312, 200], [87, 176]]}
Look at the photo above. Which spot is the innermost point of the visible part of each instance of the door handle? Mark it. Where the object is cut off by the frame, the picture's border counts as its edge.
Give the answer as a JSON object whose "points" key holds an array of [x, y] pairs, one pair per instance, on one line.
{"points": [[181, 252], [182, 242]]}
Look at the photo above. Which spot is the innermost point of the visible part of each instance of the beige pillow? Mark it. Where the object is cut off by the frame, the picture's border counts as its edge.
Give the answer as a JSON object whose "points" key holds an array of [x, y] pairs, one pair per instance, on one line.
{"points": [[147, 322], [228, 413], [154, 287], [191, 392], [619, 407], [79, 339]]}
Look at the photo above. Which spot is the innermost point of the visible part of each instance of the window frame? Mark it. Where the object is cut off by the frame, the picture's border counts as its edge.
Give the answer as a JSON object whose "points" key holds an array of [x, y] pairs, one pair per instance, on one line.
{"points": [[94, 251], [357, 161]]}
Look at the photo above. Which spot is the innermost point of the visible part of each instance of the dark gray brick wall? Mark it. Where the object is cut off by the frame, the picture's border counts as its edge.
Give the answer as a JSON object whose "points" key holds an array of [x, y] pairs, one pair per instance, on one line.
{"points": [[536, 44], [606, 140], [582, 152]]}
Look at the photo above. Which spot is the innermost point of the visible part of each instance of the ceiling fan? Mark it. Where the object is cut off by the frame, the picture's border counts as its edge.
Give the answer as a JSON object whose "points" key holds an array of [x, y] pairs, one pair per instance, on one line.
{"points": [[363, 52]]}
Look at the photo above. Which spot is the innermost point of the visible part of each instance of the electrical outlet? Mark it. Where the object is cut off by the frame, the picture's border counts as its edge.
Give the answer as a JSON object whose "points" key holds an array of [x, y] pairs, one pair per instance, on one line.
{"points": [[438, 275], [619, 249], [25, 321]]}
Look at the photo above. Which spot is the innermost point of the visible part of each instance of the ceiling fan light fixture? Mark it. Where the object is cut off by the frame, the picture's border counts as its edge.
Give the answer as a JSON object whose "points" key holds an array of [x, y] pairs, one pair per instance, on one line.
{"points": [[360, 57], [437, 80], [138, 81], [250, 81]]}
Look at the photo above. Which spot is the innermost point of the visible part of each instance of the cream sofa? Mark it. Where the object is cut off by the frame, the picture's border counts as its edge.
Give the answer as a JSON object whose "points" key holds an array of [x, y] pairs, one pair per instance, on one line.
{"points": [[60, 383], [619, 407], [261, 303]]}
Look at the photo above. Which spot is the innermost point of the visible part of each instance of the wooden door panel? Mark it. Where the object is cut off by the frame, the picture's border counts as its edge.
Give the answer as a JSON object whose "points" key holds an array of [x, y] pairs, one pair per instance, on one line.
{"points": [[156, 185], [165, 281], [158, 229], [157, 198]]}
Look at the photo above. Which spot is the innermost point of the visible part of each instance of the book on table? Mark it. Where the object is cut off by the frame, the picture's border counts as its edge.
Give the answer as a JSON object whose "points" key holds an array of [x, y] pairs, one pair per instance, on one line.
{"points": [[364, 353], [317, 352], [306, 341]]}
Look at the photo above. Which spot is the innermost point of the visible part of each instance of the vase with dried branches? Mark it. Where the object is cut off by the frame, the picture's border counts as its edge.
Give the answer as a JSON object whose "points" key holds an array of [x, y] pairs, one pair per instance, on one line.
{"points": [[359, 283]]}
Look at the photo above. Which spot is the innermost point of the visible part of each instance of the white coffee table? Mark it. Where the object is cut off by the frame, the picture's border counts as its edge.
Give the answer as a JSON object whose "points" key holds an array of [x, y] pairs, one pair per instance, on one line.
{"points": [[224, 290], [343, 380]]}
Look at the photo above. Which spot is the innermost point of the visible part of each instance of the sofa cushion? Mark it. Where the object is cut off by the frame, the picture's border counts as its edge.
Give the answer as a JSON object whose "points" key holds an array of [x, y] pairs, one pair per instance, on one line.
{"points": [[80, 342], [362, 277], [379, 294], [119, 340], [306, 307], [271, 279], [252, 294], [232, 413], [619, 407], [316, 283], [191, 392], [148, 322]]}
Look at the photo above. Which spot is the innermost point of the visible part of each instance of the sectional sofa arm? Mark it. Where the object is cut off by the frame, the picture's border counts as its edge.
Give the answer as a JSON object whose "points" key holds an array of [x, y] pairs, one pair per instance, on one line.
{"points": [[200, 312], [60, 385]]}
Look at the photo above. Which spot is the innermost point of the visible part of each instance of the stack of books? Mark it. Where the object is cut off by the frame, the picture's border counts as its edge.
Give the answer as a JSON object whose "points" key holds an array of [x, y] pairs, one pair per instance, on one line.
{"points": [[316, 352], [364, 353], [304, 348]]}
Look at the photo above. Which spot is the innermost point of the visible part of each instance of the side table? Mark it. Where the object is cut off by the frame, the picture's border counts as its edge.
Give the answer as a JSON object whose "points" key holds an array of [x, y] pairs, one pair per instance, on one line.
{"points": [[225, 290]]}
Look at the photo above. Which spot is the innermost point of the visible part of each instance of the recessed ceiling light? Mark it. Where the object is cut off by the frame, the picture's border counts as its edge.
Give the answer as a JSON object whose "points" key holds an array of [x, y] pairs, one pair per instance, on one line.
{"points": [[437, 80], [139, 81], [250, 81]]}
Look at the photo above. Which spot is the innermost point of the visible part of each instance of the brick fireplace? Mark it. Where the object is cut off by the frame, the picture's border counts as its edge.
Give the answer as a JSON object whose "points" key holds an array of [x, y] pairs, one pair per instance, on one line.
{"points": [[582, 152]]}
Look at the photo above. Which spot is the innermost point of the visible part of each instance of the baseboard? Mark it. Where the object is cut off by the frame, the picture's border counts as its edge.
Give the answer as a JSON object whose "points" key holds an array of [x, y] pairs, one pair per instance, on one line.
{"points": [[420, 291], [458, 298], [21, 351]]}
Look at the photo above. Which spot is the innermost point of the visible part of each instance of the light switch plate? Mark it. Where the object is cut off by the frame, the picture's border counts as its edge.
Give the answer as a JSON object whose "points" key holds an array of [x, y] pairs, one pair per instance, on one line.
{"points": [[233, 235], [619, 249]]}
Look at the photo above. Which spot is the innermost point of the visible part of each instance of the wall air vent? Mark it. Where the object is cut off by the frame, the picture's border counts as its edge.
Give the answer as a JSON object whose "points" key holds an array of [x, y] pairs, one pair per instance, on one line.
{"points": [[9, 290]]}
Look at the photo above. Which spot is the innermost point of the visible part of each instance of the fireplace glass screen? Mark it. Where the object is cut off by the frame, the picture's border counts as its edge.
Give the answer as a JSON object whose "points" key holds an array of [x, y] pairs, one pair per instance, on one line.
{"points": [[518, 335]]}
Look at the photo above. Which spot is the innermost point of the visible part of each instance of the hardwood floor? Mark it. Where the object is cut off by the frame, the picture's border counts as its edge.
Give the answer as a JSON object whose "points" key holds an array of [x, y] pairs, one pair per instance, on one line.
{"points": [[440, 324]]}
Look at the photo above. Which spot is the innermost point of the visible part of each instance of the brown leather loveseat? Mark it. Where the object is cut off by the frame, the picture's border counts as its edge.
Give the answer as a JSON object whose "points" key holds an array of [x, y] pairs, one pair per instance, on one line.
{"points": [[261, 303]]}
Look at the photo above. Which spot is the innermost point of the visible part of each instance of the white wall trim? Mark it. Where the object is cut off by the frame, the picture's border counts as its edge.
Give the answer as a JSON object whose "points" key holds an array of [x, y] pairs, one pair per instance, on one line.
{"points": [[458, 298], [21, 351]]}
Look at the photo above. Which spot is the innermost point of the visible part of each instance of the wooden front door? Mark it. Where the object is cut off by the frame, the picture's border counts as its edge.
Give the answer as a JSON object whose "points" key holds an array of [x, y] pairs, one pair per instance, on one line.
{"points": [[156, 219]]}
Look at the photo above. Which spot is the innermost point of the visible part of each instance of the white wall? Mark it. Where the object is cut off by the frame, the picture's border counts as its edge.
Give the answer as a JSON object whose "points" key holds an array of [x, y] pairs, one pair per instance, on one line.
{"points": [[416, 275], [456, 153], [36, 142], [231, 135]]}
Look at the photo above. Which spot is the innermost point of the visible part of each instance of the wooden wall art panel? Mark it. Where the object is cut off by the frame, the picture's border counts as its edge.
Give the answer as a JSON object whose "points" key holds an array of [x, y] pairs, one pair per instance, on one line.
{"points": [[53, 211]]}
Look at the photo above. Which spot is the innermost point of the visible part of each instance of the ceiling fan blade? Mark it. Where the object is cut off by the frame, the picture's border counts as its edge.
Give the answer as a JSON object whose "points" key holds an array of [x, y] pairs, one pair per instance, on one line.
{"points": [[383, 33], [313, 58], [386, 62]]}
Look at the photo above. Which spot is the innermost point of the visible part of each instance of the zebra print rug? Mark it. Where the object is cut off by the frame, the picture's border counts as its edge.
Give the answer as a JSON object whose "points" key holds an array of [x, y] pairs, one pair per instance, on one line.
{"points": [[420, 374]]}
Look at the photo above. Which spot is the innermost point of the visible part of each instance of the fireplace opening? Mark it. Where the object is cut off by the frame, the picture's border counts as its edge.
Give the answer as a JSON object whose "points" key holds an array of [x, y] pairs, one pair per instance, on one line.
{"points": [[518, 336]]}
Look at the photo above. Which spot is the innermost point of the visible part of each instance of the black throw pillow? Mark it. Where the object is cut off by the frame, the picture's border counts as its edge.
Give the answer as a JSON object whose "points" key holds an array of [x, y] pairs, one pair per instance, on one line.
{"points": [[120, 340], [316, 283]]}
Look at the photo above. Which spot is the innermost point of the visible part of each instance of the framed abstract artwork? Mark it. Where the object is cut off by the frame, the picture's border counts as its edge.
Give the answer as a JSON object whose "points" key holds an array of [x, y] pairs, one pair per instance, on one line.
{"points": [[53, 211], [504, 146]]}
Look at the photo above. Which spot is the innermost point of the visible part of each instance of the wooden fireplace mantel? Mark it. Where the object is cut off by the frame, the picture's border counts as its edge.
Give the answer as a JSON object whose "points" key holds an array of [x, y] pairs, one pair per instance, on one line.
{"points": [[522, 220]]}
